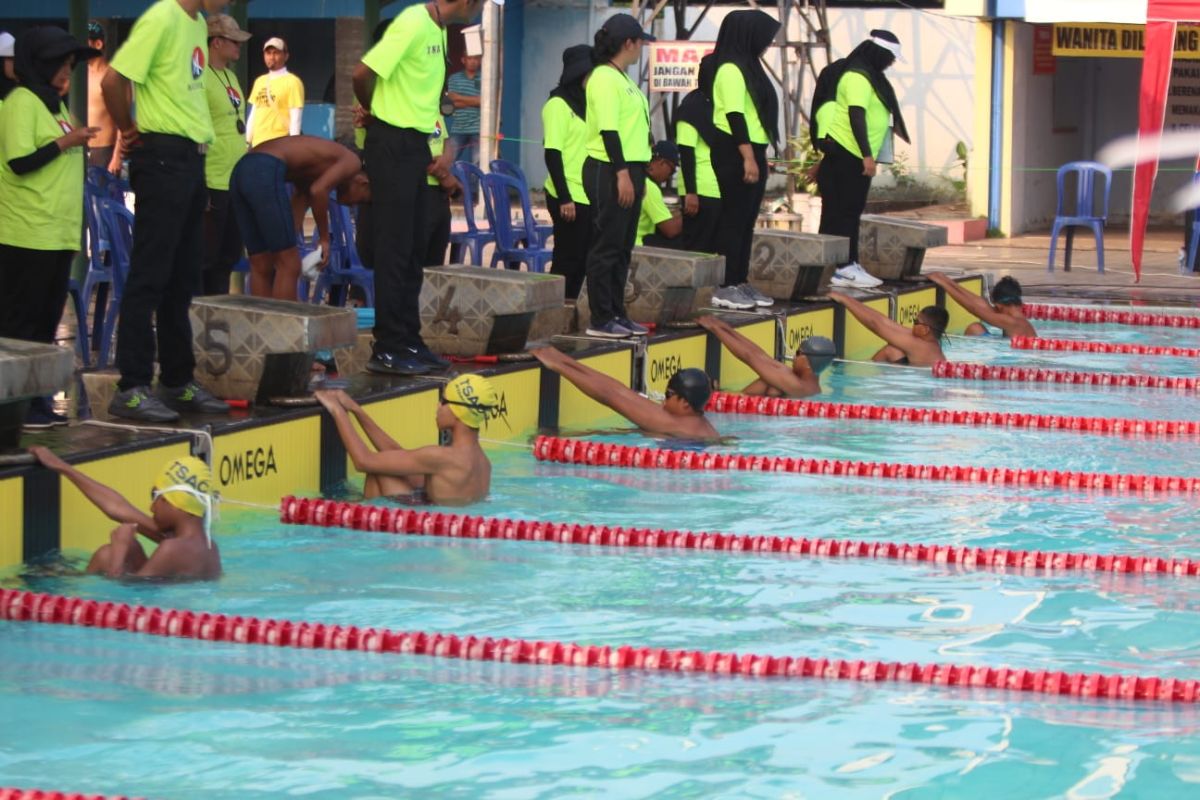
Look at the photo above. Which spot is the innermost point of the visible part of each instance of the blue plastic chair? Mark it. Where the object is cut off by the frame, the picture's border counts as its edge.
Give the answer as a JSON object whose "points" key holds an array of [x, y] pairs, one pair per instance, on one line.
{"points": [[474, 238], [118, 223], [1084, 213], [81, 322], [344, 268], [511, 242], [98, 279], [513, 171]]}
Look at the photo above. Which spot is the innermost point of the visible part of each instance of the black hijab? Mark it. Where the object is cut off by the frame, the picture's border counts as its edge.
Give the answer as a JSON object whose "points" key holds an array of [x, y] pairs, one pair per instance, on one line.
{"points": [[39, 54], [697, 110], [577, 64], [743, 37], [870, 60]]}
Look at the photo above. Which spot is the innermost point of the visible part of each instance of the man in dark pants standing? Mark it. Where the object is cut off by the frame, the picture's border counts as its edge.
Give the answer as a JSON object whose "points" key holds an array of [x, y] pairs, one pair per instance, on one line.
{"points": [[164, 58], [400, 83]]}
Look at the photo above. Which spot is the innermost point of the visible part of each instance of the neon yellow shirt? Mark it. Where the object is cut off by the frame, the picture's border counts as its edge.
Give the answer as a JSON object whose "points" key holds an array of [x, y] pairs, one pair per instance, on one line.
{"points": [[564, 131], [855, 90], [164, 57], [686, 135], [654, 211], [730, 96], [615, 103], [273, 98], [43, 209], [410, 65], [437, 145], [226, 105]]}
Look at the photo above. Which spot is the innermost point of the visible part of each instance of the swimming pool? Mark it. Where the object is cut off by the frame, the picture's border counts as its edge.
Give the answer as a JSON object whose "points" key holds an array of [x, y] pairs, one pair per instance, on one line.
{"points": [[106, 711]]}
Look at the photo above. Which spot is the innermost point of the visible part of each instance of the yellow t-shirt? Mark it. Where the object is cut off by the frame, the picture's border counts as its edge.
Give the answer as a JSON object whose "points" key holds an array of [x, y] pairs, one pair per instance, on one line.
{"points": [[164, 57], [730, 96], [854, 89], [564, 131], [686, 135], [226, 106], [410, 65], [43, 209], [615, 103], [437, 145], [654, 211], [273, 98]]}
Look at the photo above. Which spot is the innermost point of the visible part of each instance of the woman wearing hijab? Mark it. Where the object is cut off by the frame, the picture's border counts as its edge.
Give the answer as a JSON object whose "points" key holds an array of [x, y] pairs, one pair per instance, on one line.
{"points": [[41, 191], [694, 135], [746, 116], [857, 111], [565, 141]]}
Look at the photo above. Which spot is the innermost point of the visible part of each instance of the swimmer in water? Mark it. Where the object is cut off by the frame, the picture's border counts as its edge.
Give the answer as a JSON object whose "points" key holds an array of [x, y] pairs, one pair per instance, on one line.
{"points": [[679, 416], [919, 346], [179, 520], [776, 379], [453, 475], [1004, 312]]}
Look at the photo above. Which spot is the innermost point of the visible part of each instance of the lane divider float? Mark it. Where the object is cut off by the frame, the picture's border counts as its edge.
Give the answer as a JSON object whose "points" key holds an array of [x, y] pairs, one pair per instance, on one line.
{"points": [[21, 606], [407, 521], [1100, 316], [726, 402], [42, 794], [1084, 346], [999, 372], [604, 454]]}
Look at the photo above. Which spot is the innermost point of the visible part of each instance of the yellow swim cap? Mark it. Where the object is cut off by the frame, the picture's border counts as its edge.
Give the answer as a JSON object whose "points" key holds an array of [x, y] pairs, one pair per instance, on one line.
{"points": [[471, 397], [183, 483]]}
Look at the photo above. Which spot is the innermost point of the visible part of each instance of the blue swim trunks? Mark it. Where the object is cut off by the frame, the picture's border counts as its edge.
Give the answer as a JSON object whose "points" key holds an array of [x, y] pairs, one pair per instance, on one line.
{"points": [[261, 204]]}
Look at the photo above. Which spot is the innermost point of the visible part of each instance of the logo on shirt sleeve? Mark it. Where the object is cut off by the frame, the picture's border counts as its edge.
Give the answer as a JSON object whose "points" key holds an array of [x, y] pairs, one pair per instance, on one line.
{"points": [[66, 126], [234, 97], [197, 63]]}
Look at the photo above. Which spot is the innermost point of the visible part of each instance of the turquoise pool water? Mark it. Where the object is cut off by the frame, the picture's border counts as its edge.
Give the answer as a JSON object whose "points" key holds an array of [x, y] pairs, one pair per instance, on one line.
{"points": [[109, 712]]}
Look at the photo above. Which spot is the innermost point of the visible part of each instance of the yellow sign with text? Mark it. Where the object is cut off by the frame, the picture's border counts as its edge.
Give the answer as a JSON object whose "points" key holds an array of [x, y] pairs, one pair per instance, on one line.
{"points": [[1111, 40], [735, 375], [577, 410], [12, 522], [960, 318], [665, 358], [861, 343], [262, 464], [410, 419], [909, 305], [805, 324]]}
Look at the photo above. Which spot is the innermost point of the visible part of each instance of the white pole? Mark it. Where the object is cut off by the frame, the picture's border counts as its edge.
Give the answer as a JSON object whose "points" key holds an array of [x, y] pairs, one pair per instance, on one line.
{"points": [[489, 104]]}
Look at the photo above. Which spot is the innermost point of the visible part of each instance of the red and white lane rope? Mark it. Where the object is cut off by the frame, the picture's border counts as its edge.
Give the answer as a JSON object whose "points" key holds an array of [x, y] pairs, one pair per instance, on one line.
{"points": [[1100, 316], [725, 402], [407, 521], [998, 372], [42, 794], [604, 454], [1085, 346], [21, 606]]}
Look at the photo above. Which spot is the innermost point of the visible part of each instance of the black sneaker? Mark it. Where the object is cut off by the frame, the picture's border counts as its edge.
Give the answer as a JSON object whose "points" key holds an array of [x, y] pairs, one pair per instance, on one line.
{"points": [[41, 415], [422, 353], [192, 398], [138, 404], [633, 327], [396, 364]]}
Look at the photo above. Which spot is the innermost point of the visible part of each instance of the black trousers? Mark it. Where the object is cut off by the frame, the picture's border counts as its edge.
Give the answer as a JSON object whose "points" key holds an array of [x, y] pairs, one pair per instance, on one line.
{"points": [[844, 191], [222, 243], [167, 175], [571, 243], [33, 289], [434, 237], [614, 230], [740, 202], [700, 231], [396, 159]]}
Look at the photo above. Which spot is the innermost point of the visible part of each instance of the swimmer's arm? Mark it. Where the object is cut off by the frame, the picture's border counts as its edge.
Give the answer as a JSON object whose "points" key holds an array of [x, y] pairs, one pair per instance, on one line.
{"points": [[377, 435], [882, 326], [389, 462], [105, 498], [973, 303], [609, 391], [772, 372], [346, 166]]}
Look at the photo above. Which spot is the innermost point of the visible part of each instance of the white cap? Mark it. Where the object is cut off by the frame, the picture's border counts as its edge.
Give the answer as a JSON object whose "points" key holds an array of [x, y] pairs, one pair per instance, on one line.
{"points": [[277, 43], [6, 44]]}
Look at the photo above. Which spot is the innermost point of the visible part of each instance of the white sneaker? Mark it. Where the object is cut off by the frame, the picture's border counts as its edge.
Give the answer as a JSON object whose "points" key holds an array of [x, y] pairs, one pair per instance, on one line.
{"points": [[853, 275], [732, 297]]}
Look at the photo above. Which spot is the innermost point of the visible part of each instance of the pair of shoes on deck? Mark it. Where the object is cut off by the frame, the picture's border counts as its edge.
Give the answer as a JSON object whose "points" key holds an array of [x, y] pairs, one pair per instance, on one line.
{"points": [[139, 404]]}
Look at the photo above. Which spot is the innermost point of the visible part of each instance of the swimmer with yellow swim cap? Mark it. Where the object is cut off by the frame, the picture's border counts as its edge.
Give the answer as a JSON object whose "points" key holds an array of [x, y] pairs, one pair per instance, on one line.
{"points": [[454, 474], [181, 511]]}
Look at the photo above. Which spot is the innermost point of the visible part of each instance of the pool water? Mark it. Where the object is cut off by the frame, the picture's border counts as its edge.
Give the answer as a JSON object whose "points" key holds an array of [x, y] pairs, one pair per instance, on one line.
{"points": [[109, 712]]}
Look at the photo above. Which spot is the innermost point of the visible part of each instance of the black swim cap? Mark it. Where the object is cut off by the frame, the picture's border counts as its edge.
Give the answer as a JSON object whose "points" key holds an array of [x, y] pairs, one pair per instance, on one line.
{"points": [[1006, 292], [692, 385], [820, 352]]}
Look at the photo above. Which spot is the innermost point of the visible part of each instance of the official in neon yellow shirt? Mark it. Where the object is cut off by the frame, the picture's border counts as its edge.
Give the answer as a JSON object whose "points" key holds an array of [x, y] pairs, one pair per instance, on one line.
{"points": [[400, 83], [657, 226], [163, 60], [41, 192], [277, 98], [698, 186], [614, 174], [564, 139], [227, 105], [746, 119]]}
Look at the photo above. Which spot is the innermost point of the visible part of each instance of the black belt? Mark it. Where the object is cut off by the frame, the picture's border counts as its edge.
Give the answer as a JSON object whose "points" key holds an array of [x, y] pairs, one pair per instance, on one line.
{"points": [[173, 142]]}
